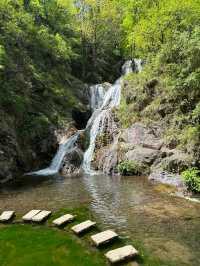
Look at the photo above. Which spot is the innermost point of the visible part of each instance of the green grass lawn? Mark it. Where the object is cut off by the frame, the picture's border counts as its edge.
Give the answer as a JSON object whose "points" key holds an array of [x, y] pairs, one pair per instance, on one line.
{"points": [[26, 245], [44, 245]]}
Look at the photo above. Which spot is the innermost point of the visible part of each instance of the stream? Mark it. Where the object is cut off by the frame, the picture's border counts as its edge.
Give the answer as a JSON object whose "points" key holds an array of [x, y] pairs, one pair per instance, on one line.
{"points": [[167, 226]]}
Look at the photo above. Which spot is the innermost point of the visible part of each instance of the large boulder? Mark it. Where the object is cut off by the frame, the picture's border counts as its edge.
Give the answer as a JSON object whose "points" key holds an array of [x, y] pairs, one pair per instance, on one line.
{"points": [[139, 134], [142, 155], [138, 144], [106, 159], [72, 162], [168, 167], [173, 161]]}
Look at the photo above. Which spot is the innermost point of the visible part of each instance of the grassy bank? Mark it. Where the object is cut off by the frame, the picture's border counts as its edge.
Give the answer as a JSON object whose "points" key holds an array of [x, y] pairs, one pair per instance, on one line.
{"points": [[25, 244]]}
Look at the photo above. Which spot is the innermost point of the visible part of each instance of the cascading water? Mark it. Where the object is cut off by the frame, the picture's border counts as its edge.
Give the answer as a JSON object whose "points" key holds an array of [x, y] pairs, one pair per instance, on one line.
{"points": [[102, 102], [111, 99], [66, 146], [97, 93]]}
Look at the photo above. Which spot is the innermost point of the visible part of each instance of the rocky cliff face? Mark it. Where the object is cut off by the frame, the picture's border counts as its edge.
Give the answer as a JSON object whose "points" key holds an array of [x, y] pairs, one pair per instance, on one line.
{"points": [[17, 155], [144, 147], [9, 150]]}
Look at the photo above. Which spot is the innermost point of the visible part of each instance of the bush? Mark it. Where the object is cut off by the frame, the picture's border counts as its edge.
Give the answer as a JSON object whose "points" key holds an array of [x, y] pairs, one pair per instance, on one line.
{"points": [[129, 168], [192, 179]]}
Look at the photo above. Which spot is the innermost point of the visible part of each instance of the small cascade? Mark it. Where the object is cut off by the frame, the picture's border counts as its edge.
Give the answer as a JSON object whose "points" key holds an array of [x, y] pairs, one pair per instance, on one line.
{"points": [[128, 67], [66, 146], [97, 93], [99, 121], [138, 64]]}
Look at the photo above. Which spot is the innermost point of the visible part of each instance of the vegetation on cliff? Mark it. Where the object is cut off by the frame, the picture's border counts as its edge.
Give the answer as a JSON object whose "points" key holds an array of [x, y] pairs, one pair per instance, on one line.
{"points": [[47, 47], [166, 94]]}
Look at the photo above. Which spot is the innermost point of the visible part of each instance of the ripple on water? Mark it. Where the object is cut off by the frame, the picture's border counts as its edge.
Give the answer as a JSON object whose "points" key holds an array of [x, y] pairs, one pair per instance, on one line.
{"points": [[168, 226]]}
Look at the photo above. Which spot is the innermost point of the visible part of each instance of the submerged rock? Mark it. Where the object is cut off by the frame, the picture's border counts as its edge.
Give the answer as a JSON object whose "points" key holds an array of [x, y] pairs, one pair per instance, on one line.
{"points": [[167, 178]]}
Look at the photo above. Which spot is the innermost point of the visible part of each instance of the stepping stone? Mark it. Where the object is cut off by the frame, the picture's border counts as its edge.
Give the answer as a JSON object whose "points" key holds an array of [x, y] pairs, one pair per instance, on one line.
{"points": [[28, 217], [121, 254], [104, 237], [6, 216], [41, 216], [82, 227], [63, 219]]}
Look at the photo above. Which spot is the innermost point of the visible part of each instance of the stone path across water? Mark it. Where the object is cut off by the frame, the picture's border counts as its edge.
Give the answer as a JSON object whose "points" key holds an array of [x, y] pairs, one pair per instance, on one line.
{"points": [[63, 220], [105, 237], [6, 216], [28, 217]]}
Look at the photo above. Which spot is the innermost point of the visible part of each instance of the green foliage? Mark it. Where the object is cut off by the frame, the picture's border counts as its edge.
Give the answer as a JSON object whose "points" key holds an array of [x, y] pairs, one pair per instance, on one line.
{"points": [[150, 24], [129, 168], [173, 60], [192, 179], [100, 36], [36, 52]]}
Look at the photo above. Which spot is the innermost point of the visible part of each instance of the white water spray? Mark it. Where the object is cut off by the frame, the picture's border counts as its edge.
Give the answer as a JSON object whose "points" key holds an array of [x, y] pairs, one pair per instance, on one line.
{"points": [[111, 99], [66, 146]]}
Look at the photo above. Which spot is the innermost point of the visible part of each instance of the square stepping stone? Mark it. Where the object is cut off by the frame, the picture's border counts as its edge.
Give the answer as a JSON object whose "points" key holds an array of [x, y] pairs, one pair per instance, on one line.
{"points": [[104, 237], [6, 216], [41, 216], [63, 219], [28, 217], [121, 254], [82, 227]]}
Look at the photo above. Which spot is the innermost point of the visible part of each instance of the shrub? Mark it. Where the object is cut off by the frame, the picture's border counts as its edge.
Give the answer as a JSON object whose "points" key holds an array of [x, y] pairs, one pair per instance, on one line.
{"points": [[129, 168], [192, 179]]}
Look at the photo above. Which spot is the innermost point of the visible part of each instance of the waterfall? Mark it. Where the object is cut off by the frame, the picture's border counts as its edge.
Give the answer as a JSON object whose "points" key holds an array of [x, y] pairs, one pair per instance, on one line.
{"points": [[112, 98], [102, 101], [97, 93], [66, 146]]}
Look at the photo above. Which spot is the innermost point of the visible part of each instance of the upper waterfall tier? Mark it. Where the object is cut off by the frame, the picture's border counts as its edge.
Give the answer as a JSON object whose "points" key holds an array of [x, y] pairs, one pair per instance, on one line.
{"points": [[101, 104]]}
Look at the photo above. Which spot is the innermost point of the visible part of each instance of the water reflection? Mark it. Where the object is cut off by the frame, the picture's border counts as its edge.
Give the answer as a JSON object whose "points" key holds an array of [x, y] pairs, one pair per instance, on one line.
{"points": [[168, 226]]}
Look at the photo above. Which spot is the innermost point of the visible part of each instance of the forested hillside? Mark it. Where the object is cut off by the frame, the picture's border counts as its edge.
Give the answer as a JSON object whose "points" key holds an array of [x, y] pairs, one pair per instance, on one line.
{"points": [[49, 50]]}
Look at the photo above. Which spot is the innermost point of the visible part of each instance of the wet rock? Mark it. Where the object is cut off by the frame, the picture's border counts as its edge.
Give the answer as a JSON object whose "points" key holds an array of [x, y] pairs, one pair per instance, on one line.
{"points": [[139, 134], [72, 162], [80, 117], [106, 159]]}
